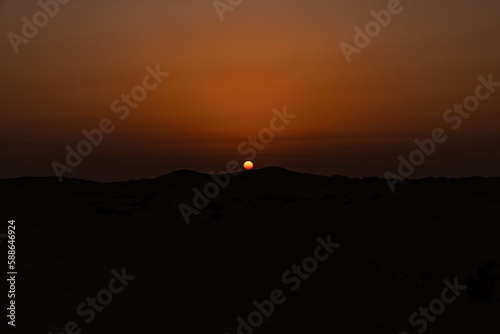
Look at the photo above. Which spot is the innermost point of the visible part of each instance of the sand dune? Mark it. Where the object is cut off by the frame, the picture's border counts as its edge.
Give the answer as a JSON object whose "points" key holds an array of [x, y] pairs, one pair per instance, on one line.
{"points": [[396, 251]]}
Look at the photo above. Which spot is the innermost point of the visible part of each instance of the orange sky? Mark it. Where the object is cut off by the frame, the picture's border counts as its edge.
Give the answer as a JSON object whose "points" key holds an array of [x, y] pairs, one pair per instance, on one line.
{"points": [[226, 78]]}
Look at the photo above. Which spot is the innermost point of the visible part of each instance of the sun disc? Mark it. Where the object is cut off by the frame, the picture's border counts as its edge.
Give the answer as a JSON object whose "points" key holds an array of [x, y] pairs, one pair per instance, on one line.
{"points": [[248, 165]]}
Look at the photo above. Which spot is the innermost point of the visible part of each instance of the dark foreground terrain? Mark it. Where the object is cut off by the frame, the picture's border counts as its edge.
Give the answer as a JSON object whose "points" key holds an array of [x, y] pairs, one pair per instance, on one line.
{"points": [[396, 251]]}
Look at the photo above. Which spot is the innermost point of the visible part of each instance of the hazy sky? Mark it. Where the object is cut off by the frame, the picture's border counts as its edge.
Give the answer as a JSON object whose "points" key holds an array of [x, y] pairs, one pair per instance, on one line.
{"points": [[227, 76]]}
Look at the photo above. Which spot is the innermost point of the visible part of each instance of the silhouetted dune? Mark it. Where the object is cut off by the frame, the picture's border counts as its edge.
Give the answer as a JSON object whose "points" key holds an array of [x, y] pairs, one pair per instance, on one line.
{"points": [[396, 250], [275, 181]]}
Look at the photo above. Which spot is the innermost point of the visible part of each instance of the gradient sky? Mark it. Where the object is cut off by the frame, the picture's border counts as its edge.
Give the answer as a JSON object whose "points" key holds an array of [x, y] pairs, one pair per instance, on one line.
{"points": [[226, 78]]}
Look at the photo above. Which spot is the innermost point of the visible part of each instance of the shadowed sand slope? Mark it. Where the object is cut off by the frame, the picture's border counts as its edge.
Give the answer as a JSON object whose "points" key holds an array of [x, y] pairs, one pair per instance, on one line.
{"points": [[396, 251]]}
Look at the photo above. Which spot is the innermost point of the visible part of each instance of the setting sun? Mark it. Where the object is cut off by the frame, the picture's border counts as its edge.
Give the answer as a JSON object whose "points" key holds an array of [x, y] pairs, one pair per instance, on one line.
{"points": [[248, 165]]}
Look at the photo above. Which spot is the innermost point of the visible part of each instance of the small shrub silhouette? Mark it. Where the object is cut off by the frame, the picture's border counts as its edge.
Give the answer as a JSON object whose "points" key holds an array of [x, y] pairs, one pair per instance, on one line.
{"points": [[214, 218]]}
